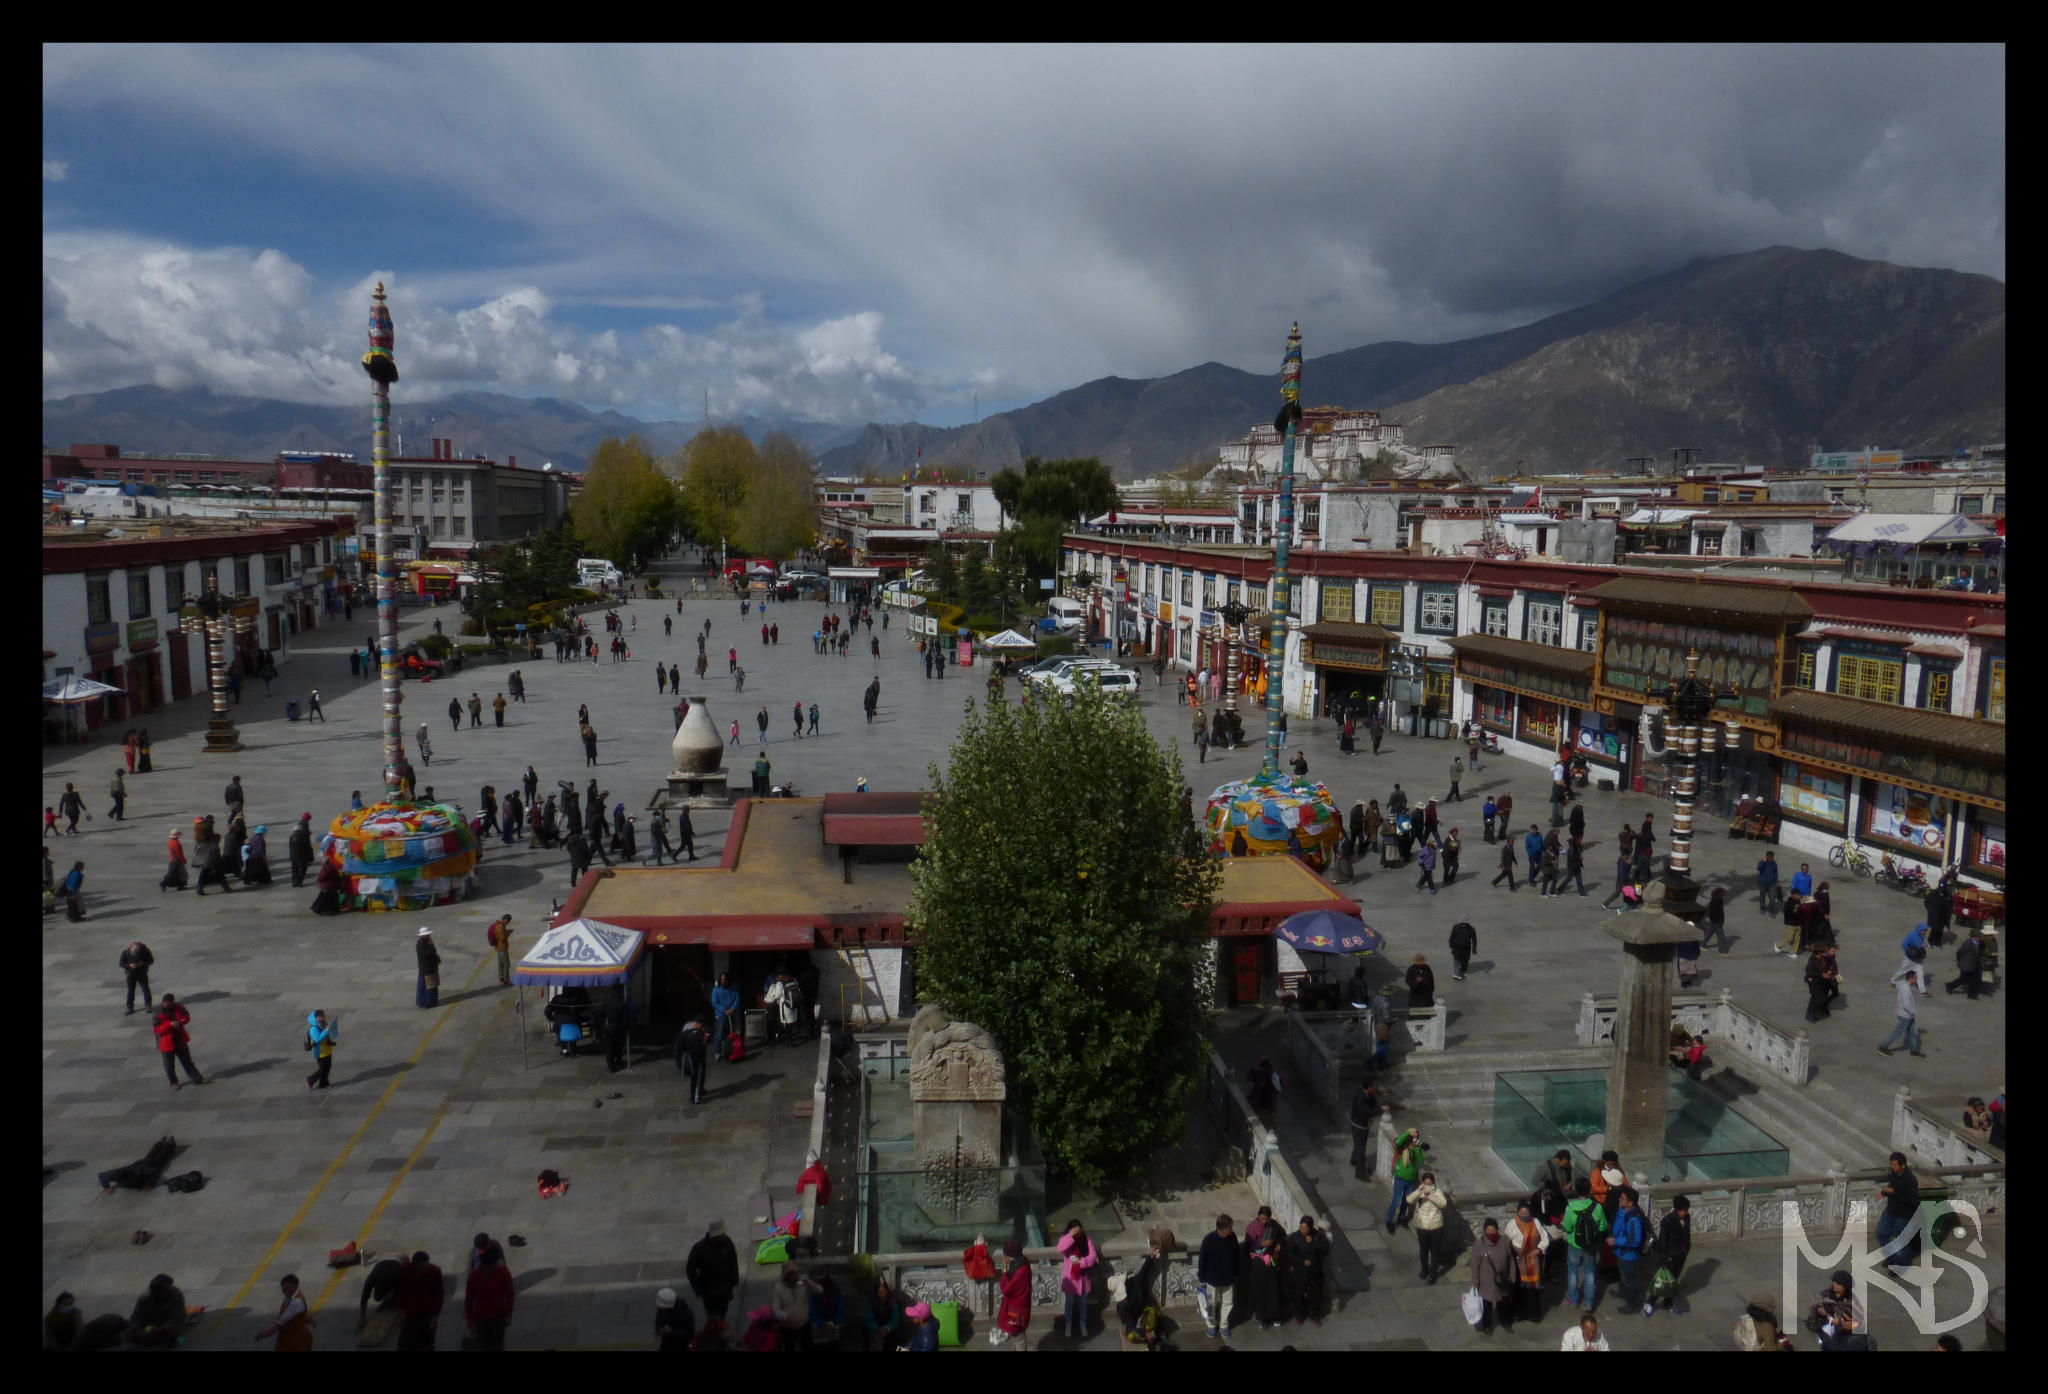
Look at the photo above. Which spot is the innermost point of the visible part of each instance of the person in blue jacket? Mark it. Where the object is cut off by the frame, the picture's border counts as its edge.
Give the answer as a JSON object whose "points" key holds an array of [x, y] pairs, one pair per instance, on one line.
{"points": [[1631, 1238], [725, 1008]]}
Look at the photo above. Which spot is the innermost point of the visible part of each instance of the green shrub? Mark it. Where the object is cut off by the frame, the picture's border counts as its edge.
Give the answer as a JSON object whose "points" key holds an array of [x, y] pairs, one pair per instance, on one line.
{"points": [[1054, 645], [472, 625], [436, 645]]}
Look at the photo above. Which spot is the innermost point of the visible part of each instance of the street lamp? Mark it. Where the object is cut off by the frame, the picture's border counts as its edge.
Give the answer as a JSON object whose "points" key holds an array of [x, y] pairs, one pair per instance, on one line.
{"points": [[1691, 701]]}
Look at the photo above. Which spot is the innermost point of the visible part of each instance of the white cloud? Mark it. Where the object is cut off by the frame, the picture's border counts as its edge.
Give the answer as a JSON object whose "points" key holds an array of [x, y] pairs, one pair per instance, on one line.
{"points": [[1055, 214], [56, 171], [119, 310]]}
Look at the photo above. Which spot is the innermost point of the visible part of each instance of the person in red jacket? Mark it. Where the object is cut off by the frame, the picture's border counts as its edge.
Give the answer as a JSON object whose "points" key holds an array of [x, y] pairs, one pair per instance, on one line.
{"points": [[487, 1299], [173, 1043], [1013, 1315]]}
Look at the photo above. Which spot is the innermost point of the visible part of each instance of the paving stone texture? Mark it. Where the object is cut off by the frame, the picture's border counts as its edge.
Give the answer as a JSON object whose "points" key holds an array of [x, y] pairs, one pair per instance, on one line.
{"points": [[436, 1127]]}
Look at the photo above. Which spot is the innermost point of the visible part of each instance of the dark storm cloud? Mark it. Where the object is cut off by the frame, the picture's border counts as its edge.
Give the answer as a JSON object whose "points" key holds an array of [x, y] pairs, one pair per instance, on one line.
{"points": [[1026, 219]]}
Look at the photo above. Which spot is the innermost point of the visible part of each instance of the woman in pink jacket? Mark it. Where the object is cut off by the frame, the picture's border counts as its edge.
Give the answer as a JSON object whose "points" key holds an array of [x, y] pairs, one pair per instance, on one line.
{"points": [[1078, 1255]]}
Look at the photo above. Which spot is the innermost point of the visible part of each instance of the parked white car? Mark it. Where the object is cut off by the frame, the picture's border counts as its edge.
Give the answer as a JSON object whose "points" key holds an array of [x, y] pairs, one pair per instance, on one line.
{"points": [[1109, 681]]}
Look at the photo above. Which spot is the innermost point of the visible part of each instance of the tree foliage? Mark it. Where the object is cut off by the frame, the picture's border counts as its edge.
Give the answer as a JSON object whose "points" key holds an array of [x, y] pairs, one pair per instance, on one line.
{"points": [[778, 517], [627, 510], [525, 574], [717, 466], [1058, 905], [1047, 499]]}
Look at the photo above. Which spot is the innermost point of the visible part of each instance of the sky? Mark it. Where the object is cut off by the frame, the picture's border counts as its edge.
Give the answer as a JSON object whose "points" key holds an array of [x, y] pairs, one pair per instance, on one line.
{"points": [[853, 234]]}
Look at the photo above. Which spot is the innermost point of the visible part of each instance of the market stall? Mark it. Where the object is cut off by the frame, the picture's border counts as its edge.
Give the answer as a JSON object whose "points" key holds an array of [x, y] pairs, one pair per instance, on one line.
{"points": [[579, 956]]}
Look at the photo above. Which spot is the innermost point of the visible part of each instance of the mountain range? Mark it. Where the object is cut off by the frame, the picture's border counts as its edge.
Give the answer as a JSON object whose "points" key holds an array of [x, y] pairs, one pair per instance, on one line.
{"points": [[1752, 358], [537, 430]]}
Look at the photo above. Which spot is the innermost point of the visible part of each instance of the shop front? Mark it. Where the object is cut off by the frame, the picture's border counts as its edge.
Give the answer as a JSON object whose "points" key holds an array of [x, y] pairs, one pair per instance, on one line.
{"points": [[1927, 787], [1649, 628], [1531, 695], [1351, 663]]}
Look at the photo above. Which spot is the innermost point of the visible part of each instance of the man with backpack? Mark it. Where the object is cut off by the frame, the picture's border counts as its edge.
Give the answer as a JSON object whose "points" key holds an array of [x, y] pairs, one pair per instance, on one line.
{"points": [[499, 937], [1585, 1223]]}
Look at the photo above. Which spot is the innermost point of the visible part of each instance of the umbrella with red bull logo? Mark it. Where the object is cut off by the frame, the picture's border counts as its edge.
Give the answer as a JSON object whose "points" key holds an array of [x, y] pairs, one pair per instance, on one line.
{"points": [[1329, 932]]}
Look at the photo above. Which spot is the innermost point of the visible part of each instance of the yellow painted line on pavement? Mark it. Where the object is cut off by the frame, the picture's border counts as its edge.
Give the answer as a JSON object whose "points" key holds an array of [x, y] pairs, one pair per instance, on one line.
{"points": [[319, 1187], [433, 1124]]}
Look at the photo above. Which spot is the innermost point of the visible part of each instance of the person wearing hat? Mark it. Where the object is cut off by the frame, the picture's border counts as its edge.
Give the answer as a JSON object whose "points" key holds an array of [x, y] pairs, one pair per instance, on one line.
{"points": [[1764, 1333], [674, 1326], [791, 1300], [926, 1334], [428, 993], [713, 1270], [299, 846], [174, 864], [1013, 1300], [256, 858]]}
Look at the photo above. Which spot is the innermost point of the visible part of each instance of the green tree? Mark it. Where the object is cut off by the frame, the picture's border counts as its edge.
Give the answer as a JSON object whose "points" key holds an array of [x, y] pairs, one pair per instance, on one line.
{"points": [[717, 468], [779, 515], [1048, 499], [943, 571], [976, 592], [627, 510], [1078, 937]]}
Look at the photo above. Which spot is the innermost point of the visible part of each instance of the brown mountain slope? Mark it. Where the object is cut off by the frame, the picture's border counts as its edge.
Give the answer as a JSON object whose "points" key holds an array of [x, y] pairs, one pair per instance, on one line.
{"points": [[1754, 359]]}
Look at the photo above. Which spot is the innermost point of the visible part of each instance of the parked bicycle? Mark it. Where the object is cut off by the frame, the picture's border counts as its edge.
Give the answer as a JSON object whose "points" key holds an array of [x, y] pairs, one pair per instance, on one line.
{"points": [[1847, 856]]}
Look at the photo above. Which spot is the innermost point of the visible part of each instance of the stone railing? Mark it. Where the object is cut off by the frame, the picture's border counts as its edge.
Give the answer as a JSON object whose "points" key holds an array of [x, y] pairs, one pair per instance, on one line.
{"points": [[1328, 1051], [1745, 1206], [1920, 1134], [1257, 1147], [1773, 1048]]}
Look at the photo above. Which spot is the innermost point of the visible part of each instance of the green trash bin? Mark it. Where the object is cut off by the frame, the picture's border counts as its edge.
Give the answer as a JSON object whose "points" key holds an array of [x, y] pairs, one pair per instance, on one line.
{"points": [[1938, 1220]]}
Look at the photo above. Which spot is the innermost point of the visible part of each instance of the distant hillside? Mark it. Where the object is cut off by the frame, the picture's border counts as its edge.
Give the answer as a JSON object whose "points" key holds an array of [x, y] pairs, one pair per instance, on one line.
{"points": [[146, 419], [1751, 357]]}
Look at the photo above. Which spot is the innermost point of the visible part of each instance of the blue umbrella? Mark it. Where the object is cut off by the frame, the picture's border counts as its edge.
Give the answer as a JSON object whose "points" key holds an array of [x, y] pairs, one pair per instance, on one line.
{"points": [[1328, 932]]}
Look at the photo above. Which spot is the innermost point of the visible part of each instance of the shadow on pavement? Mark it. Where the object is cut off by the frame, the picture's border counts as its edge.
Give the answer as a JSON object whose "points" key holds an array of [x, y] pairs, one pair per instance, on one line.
{"points": [[247, 1068]]}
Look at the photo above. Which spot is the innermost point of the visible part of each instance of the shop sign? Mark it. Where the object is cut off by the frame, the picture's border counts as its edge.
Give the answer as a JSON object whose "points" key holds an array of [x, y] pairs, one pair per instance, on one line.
{"points": [[1166, 611], [1988, 850], [1906, 815], [1641, 655], [1150, 607], [1333, 654], [1535, 681], [247, 608], [1539, 722], [1940, 774], [141, 635], [1210, 619], [1812, 793], [103, 637]]}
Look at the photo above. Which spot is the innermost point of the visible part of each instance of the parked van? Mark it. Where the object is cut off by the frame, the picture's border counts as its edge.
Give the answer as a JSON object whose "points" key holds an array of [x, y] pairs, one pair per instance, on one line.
{"points": [[1066, 613], [593, 572]]}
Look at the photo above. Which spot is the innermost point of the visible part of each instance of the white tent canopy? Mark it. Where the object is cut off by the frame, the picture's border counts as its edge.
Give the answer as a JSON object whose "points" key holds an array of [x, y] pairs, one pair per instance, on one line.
{"points": [[1909, 529], [1007, 639], [72, 688], [581, 953]]}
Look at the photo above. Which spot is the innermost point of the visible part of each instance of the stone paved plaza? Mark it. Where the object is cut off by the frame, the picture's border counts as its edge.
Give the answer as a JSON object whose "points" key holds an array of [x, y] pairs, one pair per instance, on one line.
{"points": [[436, 1127]]}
